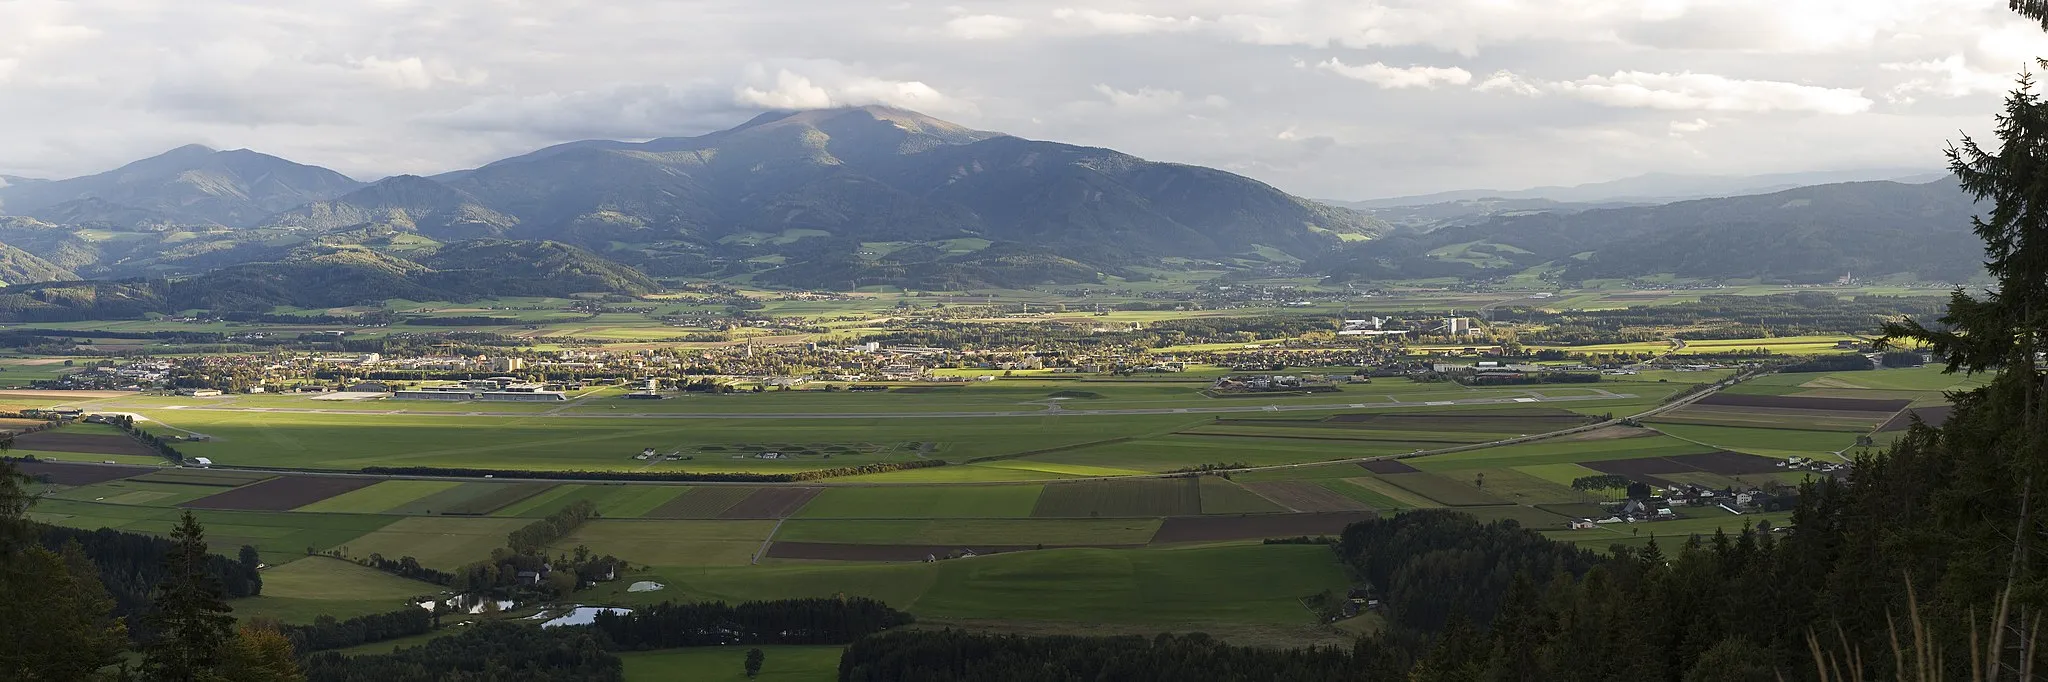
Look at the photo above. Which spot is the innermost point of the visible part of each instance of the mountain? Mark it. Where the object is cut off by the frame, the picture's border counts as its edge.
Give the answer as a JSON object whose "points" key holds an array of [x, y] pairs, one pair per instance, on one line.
{"points": [[818, 198], [1804, 235], [322, 277], [845, 177], [403, 203], [1659, 188], [188, 185]]}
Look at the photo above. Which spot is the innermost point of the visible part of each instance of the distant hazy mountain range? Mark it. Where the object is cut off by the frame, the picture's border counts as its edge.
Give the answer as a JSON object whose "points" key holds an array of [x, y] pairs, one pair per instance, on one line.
{"points": [[1803, 235], [856, 196]]}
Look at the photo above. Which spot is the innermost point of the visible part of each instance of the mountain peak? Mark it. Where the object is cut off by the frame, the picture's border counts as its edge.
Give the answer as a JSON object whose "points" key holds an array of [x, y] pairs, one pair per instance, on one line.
{"points": [[188, 151]]}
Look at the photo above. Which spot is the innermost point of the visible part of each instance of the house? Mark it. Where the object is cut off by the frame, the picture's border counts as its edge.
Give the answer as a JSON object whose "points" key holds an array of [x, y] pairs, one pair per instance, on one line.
{"points": [[529, 577]]}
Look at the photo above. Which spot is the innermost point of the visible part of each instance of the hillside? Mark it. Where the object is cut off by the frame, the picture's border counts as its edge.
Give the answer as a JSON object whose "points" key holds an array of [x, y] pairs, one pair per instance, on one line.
{"points": [[803, 198], [1804, 235], [190, 185], [320, 277], [875, 174]]}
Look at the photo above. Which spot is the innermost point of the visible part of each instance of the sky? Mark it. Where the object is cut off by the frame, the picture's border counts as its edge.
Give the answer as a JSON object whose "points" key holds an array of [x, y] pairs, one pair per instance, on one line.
{"points": [[1338, 99]]}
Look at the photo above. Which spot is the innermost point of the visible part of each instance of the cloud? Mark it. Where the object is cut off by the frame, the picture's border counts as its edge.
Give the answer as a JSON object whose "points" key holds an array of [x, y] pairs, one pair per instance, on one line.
{"points": [[787, 89], [1692, 126], [1507, 82], [1391, 77], [1155, 100], [984, 27], [1124, 23], [1948, 77], [1709, 92]]}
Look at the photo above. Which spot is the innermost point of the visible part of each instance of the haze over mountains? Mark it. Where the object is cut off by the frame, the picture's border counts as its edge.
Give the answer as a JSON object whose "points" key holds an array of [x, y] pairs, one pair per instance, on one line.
{"points": [[835, 198]]}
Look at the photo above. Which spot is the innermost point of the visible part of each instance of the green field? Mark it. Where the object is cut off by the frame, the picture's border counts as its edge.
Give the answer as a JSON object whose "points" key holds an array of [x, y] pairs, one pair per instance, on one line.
{"points": [[1462, 492], [1182, 588], [701, 502], [671, 543], [1001, 501], [381, 497], [443, 542], [1120, 497], [313, 586], [1221, 496], [727, 664], [1767, 442], [971, 532]]}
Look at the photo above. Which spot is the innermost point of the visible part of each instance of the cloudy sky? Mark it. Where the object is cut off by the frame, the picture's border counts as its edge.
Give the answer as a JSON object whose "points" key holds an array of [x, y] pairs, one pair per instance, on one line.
{"points": [[1325, 98]]}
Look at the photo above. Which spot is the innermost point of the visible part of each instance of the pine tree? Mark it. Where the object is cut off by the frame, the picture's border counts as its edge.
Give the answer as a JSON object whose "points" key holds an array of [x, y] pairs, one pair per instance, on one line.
{"points": [[193, 630], [56, 619]]}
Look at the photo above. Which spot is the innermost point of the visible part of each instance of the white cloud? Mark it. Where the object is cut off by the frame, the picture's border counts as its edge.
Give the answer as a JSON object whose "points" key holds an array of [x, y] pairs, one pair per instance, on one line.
{"points": [[1124, 23], [1692, 126], [1710, 92], [1948, 77], [1156, 100], [1506, 81], [791, 90], [413, 73], [1393, 77], [984, 27]]}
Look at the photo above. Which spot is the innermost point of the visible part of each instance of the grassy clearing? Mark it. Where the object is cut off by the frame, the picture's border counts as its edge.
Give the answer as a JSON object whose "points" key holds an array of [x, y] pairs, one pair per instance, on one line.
{"points": [[971, 532], [1221, 496], [302, 590], [381, 497], [671, 543], [1122, 497], [443, 542], [1007, 501], [727, 663]]}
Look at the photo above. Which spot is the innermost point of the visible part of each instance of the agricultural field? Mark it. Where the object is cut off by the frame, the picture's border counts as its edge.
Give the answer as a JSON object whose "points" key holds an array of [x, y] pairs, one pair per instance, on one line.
{"points": [[671, 543], [1120, 497], [443, 542], [1001, 501], [299, 591]]}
